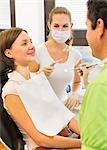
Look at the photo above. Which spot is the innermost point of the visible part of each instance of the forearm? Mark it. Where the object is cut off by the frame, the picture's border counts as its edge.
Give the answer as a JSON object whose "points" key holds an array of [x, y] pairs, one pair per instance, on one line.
{"points": [[62, 142], [73, 125], [53, 141], [76, 86]]}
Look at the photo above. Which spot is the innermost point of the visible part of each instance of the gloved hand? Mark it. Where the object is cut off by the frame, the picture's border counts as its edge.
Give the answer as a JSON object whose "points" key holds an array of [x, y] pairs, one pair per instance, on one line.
{"points": [[47, 70], [83, 70], [73, 101]]}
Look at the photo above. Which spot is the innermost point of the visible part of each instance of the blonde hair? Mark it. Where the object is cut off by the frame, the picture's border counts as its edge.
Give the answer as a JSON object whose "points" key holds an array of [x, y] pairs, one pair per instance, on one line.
{"points": [[60, 10]]}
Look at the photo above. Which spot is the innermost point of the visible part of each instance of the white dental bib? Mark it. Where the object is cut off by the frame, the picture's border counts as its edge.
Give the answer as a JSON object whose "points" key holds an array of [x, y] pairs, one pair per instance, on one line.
{"points": [[47, 112]]}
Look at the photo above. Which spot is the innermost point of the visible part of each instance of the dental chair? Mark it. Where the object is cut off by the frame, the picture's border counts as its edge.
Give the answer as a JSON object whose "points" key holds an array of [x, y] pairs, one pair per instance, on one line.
{"points": [[9, 132]]}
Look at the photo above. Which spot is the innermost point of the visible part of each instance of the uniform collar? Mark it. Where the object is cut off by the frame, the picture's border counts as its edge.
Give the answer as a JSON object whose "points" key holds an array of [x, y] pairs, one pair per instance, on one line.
{"points": [[16, 76]]}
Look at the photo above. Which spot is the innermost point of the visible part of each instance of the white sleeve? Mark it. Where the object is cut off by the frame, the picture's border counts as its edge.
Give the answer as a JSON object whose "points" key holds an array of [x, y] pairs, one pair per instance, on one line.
{"points": [[9, 88]]}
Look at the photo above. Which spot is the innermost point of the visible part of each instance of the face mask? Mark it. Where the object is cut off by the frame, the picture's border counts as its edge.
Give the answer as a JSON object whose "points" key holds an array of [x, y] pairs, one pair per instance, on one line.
{"points": [[60, 36]]}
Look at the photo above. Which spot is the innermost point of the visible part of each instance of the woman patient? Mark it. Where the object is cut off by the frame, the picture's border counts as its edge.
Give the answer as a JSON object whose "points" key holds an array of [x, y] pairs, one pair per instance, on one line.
{"points": [[17, 51]]}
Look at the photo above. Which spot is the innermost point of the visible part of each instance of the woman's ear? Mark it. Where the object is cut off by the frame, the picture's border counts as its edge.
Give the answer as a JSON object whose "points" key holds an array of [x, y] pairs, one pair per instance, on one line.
{"points": [[49, 26], [8, 53]]}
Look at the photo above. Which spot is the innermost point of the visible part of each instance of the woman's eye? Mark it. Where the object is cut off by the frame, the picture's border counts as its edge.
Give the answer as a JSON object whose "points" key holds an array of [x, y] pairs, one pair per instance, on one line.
{"points": [[65, 26], [56, 26], [24, 43]]}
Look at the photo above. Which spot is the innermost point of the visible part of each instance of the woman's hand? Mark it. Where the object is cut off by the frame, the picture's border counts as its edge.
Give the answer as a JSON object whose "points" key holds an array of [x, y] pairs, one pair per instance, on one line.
{"points": [[83, 70], [47, 70], [73, 101]]}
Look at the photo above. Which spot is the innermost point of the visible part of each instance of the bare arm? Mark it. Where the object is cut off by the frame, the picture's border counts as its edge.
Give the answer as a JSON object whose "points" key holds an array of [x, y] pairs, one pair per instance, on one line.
{"points": [[73, 125], [74, 98], [19, 113], [76, 81]]}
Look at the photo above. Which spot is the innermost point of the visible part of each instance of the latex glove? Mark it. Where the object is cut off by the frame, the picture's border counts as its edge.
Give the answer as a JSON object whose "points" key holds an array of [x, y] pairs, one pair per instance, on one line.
{"points": [[83, 70], [72, 102], [47, 70]]}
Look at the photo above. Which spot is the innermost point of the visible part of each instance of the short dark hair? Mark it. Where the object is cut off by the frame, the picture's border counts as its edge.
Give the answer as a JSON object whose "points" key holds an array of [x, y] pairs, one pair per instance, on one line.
{"points": [[7, 38], [97, 9]]}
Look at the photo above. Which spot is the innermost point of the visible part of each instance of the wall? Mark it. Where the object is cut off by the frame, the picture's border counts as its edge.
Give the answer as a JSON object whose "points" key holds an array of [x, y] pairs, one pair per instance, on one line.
{"points": [[30, 16], [77, 9], [5, 20]]}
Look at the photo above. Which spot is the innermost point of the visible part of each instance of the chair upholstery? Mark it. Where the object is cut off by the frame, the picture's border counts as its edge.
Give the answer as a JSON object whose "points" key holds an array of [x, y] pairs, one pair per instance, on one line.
{"points": [[9, 132]]}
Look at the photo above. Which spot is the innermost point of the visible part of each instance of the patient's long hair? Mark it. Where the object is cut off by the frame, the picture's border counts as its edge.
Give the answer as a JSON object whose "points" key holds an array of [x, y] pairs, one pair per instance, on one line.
{"points": [[7, 38]]}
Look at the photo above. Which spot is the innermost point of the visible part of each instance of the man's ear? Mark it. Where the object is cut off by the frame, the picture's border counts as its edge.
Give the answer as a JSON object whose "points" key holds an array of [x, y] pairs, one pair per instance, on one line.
{"points": [[8, 53], [100, 26]]}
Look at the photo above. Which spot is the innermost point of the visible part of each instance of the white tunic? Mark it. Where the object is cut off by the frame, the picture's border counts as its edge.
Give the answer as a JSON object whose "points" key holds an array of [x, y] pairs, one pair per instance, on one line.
{"points": [[63, 73]]}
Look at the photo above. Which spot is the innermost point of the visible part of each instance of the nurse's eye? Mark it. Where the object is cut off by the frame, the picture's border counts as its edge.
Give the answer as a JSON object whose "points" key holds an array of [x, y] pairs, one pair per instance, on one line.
{"points": [[65, 26], [56, 26]]}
